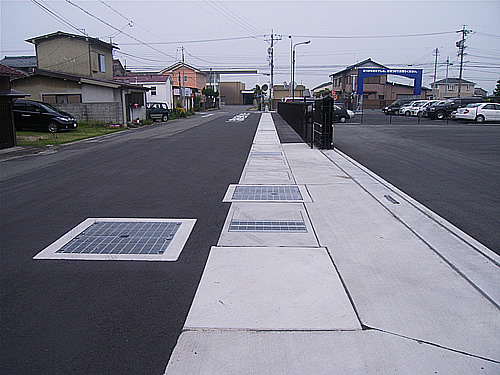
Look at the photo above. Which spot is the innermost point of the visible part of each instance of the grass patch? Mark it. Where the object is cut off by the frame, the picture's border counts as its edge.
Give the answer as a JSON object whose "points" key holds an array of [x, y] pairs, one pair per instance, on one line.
{"points": [[84, 131]]}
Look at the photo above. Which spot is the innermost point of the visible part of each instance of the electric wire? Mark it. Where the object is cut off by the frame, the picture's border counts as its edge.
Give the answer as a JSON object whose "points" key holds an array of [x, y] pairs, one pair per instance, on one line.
{"points": [[58, 16], [114, 28]]}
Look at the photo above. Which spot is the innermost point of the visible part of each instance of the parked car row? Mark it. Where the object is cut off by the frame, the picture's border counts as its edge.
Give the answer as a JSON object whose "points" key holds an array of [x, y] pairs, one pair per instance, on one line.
{"points": [[437, 109], [478, 112], [35, 115], [416, 107]]}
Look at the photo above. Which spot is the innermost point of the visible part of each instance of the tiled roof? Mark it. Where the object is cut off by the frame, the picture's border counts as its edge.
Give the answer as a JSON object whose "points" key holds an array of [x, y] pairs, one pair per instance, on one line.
{"points": [[143, 78], [7, 71], [24, 63]]}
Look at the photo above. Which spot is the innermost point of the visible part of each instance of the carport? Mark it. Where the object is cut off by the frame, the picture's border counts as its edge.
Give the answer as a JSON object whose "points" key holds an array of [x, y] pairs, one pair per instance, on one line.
{"points": [[7, 128]]}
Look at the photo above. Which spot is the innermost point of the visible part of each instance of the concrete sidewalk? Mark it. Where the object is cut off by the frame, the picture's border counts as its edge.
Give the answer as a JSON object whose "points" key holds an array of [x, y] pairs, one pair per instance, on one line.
{"points": [[337, 272]]}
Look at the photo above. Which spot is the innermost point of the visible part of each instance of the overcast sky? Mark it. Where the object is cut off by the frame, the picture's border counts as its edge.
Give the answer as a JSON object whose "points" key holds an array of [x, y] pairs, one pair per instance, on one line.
{"points": [[236, 34]]}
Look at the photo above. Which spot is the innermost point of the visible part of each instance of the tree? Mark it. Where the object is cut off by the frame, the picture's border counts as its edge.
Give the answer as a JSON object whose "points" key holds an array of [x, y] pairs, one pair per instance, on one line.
{"points": [[496, 91], [211, 96]]}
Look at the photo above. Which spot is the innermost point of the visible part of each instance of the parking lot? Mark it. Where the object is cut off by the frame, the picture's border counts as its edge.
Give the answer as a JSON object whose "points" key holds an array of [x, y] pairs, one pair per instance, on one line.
{"points": [[377, 117], [451, 167]]}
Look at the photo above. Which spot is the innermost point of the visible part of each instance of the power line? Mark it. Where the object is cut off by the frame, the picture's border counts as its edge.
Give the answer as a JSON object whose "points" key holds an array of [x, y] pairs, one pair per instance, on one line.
{"points": [[198, 41], [58, 17], [373, 36], [238, 17], [216, 6], [114, 28]]}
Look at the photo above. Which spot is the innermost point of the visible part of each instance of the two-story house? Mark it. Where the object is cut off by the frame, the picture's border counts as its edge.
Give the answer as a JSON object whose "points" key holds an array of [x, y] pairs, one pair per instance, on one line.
{"points": [[185, 76], [449, 88], [75, 73]]}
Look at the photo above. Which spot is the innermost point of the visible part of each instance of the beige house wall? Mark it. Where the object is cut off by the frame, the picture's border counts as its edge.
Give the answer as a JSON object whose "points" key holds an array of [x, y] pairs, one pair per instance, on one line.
{"points": [[74, 56], [440, 92], [36, 86]]}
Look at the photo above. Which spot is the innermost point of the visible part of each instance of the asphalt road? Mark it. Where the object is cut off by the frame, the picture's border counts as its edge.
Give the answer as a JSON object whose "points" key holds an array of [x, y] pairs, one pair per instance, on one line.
{"points": [[452, 168], [111, 317]]}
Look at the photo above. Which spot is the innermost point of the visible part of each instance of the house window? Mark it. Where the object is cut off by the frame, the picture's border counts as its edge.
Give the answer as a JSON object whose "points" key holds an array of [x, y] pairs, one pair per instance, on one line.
{"points": [[381, 97], [153, 90], [185, 78], [102, 64], [451, 87]]}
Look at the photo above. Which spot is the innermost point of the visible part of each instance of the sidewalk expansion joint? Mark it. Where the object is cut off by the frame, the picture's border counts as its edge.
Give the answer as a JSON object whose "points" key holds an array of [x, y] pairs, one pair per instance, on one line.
{"points": [[436, 251], [391, 188], [349, 296], [211, 329], [436, 345]]}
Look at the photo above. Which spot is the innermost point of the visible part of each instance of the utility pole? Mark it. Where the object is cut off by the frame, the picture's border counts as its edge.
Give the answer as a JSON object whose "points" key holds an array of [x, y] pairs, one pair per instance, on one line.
{"points": [[183, 89], [461, 48], [435, 66], [274, 38], [447, 65]]}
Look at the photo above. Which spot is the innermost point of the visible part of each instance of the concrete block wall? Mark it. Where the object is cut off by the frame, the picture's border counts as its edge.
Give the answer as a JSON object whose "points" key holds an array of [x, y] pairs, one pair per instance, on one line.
{"points": [[109, 112]]}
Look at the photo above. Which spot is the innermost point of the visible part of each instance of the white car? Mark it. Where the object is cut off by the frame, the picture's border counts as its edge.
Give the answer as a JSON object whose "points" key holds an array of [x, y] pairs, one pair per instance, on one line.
{"points": [[417, 108], [479, 112], [423, 109], [405, 108]]}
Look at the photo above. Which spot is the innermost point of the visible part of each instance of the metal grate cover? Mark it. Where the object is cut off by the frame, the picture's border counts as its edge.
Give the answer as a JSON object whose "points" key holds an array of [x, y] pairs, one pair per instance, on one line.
{"points": [[267, 226], [267, 193], [263, 153], [123, 238], [138, 239]]}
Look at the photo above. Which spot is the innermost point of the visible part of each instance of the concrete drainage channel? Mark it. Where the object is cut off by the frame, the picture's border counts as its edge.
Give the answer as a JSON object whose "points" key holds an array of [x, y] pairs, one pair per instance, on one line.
{"points": [[271, 298], [268, 272]]}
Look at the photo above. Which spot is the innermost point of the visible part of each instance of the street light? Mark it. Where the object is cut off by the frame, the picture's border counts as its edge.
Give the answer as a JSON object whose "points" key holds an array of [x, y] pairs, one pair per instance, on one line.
{"points": [[293, 64]]}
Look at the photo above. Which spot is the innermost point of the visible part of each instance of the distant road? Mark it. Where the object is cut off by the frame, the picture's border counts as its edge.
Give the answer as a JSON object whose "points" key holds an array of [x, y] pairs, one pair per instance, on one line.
{"points": [[452, 168]]}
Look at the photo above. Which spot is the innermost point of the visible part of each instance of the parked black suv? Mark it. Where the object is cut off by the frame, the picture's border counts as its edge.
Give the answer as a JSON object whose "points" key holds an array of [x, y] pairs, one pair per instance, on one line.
{"points": [[31, 114], [393, 108], [158, 111], [443, 109]]}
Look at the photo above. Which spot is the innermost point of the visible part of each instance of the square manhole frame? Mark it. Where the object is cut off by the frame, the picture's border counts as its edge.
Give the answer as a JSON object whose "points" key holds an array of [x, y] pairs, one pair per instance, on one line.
{"points": [[171, 253], [306, 198]]}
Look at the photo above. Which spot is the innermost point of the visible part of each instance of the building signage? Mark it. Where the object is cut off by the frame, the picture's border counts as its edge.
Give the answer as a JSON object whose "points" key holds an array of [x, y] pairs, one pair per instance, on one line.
{"points": [[415, 74]]}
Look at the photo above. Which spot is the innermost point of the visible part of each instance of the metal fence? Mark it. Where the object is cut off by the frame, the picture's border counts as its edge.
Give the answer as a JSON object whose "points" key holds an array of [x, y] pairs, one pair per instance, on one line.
{"points": [[312, 121]]}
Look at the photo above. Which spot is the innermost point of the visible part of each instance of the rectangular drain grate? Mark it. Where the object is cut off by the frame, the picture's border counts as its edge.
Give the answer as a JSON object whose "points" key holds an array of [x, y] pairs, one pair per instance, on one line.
{"points": [[267, 226], [267, 193], [262, 153], [123, 238]]}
